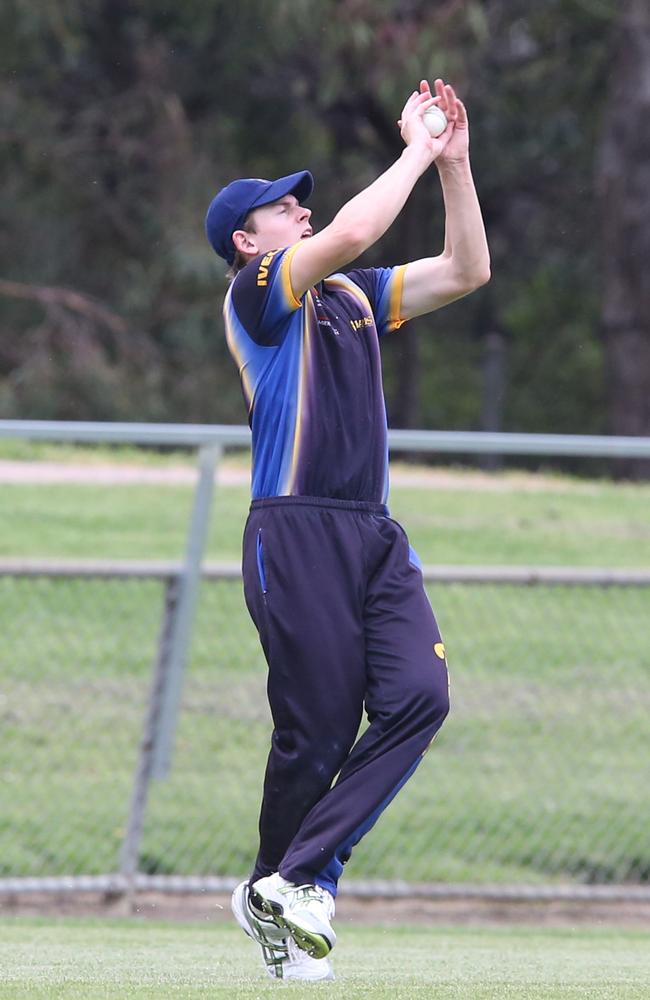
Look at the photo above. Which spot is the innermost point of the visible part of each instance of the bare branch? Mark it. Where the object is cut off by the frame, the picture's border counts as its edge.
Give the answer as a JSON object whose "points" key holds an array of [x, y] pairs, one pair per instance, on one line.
{"points": [[74, 301]]}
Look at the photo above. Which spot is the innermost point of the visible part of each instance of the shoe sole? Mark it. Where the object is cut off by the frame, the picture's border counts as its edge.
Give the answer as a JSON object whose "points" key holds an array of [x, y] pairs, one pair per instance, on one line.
{"points": [[238, 907], [274, 968], [329, 977], [316, 945], [239, 914]]}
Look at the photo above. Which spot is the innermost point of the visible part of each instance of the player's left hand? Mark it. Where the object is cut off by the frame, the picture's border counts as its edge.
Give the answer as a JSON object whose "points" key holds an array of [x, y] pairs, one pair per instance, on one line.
{"points": [[456, 148]]}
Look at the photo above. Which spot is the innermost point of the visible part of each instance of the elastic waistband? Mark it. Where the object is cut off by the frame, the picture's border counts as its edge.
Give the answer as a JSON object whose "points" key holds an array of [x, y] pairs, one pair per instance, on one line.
{"points": [[361, 506]]}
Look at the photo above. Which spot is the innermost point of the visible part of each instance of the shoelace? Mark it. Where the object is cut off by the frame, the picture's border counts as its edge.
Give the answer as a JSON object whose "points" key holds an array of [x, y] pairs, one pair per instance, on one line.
{"points": [[310, 892]]}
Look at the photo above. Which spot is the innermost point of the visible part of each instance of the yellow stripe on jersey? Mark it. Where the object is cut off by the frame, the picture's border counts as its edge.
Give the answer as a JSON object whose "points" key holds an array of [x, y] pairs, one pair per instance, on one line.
{"points": [[285, 274], [233, 346], [394, 318], [347, 285]]}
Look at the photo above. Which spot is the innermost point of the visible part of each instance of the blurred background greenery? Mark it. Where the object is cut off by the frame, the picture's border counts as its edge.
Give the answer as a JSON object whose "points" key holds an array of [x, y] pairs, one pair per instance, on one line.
{"points": [[121, 119]]}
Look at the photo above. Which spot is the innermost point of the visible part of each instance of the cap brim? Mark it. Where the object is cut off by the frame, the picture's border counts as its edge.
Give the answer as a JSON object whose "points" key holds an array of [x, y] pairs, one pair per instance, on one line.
{"points": [[300, 185]]}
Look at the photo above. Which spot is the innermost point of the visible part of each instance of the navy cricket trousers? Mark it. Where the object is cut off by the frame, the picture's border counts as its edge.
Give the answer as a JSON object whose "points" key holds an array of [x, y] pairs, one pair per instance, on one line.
{"points": [[344, 621]]}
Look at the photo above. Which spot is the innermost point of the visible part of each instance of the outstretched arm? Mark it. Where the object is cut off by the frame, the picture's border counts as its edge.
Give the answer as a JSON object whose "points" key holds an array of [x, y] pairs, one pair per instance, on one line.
{"points": [[367, 216], [464, 264]]}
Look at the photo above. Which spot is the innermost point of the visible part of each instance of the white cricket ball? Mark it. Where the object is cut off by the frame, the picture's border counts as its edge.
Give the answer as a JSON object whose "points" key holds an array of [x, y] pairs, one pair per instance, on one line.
{"points": [[435, 120]]}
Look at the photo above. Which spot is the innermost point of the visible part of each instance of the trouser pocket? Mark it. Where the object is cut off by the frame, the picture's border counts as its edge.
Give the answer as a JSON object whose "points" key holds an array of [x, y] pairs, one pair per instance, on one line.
{"points": [[261, 569]]}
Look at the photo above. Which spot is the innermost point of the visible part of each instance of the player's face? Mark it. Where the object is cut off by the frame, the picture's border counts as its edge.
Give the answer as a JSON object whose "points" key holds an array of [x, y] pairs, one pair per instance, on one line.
{"points": [[281, 223]]}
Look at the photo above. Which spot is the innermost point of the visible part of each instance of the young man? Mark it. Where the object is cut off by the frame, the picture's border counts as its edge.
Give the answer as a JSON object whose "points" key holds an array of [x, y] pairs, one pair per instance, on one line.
{"points": [[330, 580]]}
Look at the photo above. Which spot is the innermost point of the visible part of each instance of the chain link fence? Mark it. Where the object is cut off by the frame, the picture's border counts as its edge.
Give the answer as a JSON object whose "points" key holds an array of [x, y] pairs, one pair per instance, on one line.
{"points": [[537, 781], [539, 776]]}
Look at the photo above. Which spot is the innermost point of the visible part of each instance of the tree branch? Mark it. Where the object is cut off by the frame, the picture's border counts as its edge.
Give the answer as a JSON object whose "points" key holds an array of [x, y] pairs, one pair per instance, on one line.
{"points": [[74, 301]]}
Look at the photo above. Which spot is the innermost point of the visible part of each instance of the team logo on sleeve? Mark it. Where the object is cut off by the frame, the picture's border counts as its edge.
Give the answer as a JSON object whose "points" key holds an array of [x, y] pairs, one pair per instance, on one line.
{"points": [[439, 649], [263, 269]]}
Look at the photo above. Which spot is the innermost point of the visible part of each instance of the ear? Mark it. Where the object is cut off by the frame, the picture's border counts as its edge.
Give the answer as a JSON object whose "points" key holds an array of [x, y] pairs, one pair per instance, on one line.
{"points": [[244, 242]]}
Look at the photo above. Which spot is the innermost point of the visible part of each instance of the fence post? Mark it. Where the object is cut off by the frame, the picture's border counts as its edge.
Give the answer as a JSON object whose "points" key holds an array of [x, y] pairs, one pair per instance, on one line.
{"points": [[181, 627], [131, 844]]}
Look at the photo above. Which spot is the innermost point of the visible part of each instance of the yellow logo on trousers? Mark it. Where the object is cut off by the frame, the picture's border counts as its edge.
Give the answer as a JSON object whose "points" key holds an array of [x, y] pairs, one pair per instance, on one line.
{"points": [[439, 649]]}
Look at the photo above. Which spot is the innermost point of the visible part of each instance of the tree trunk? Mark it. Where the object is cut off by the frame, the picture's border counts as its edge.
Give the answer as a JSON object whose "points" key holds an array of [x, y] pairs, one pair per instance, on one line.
{"points": [[624, 190]]}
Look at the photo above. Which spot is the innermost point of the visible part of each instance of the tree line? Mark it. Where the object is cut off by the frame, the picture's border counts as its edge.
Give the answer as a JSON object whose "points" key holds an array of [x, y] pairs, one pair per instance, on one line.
{"points": [[122, 118]]}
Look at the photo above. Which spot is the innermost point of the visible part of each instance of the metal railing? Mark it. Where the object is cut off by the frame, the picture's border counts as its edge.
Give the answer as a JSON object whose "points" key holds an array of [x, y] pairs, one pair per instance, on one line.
{"points": [[141, 849], [234, 436]]}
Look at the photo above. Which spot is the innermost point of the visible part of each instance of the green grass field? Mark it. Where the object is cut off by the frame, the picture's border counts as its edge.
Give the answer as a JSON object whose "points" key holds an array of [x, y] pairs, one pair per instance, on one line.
{"points": [[568, 523], [74, 960], [540, 747], [538, 775]]}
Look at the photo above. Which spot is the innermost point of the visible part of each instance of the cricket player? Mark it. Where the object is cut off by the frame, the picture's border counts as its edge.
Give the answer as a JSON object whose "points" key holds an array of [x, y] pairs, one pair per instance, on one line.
{"points": [[332, 585]]}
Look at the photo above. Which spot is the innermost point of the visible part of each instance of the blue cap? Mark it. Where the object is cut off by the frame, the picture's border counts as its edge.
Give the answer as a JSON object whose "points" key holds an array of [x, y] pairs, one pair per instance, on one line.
{"points": [[229, 208]]}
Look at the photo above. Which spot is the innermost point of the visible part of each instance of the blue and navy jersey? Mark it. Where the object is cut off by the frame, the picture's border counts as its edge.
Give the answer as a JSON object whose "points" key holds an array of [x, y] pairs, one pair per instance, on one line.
{"points": [[311, 376]]}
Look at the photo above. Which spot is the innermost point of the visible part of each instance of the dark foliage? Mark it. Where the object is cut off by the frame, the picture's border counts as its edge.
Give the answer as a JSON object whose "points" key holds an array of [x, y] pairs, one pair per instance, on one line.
{"points": [[121, 119]]}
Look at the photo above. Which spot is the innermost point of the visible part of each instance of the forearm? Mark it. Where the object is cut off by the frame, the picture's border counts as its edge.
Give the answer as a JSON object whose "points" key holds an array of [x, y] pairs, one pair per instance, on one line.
{"points": [[371, 212], [465, 239]]}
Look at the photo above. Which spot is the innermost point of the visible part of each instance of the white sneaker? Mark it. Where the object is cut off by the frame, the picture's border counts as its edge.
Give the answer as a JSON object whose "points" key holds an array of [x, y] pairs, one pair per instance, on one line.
{"points": [[305, 911], [271, 938], [280, 955], [300, 965]]}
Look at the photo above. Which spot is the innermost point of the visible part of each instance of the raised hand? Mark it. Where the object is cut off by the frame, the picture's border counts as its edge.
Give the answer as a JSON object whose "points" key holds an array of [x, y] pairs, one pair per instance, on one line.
{"points": [[457, 145], [453, 143]]}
